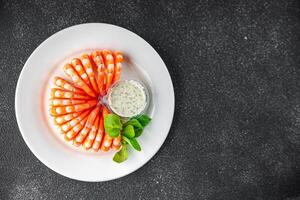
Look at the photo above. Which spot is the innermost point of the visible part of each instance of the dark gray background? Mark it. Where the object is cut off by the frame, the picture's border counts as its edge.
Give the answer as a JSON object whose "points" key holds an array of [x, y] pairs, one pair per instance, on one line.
{"points": [[235, 69]]}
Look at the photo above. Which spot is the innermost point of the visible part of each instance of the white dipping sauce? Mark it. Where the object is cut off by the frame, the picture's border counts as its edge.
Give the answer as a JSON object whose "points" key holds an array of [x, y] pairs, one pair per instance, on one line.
{"points": [[127, 98]]}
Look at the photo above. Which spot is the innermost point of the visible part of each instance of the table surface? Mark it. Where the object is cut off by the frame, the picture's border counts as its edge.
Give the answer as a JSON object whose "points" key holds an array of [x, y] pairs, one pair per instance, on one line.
{"points": [[235, 70]]}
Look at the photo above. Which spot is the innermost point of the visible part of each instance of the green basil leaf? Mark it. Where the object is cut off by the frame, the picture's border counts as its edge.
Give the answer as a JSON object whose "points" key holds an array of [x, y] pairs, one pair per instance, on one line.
{"points": [[122, 155], [134, 122], [114, 132], [133, 143], [129, 131], [144, 120], [112, 125], [138, 132], [138, 128]]}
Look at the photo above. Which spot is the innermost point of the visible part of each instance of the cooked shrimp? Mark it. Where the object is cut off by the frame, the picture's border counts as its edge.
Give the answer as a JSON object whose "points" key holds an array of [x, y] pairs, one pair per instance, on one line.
{"points": [[109, 62], [106, 143], [75, 130], [67, 126], [98, 60], [90, 71], [107, 140], [65, 102], [66, 85], [116, 143], [63, 94], [88, 125], [87, 144], [81, 71], [118, 57], [99, 136], [70, 71], [59, 120], [62, 110]]}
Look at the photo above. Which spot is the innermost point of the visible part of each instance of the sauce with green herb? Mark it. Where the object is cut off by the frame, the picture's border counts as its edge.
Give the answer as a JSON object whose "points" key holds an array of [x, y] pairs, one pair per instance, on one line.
{"points": [[127, 98]]}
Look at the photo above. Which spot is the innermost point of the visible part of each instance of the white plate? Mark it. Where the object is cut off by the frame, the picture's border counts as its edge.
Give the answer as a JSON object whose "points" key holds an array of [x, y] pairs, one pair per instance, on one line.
{"points": [[43, 139]]}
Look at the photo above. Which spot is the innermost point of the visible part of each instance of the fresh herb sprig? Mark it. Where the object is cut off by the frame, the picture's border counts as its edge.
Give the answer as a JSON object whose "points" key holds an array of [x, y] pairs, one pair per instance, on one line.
{"points": [[129, 130]]}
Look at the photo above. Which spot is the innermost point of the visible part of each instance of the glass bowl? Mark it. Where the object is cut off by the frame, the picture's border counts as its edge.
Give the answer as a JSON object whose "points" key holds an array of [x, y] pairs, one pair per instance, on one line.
{"points": [[107, 98]]}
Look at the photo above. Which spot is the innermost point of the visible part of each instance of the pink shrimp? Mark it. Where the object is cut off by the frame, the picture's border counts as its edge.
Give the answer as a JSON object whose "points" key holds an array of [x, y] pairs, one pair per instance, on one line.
{"points": [[83, 133], [107, 140], [89, 70], [81, 71], [67, 126], [98, 60], [62, 110], [65, 102], [66, 85], [99, 136], [118, 65], [116, 143], [70, 71], [110, 67], [59, 120], [87, 144], [75, 130], [63, 94]]}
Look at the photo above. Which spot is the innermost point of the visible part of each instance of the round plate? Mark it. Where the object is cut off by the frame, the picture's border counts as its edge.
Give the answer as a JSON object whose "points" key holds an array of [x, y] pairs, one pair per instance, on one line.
{"points": [[142, 62]]}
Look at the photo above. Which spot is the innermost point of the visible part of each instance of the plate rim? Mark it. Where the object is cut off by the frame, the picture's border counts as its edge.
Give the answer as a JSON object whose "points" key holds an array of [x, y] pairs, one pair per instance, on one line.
{"points": [[17, 99]]}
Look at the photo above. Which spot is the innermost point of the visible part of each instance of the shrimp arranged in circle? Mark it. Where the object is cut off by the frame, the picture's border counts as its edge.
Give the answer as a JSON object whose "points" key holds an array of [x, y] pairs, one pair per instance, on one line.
{"points": [[75, 103]]}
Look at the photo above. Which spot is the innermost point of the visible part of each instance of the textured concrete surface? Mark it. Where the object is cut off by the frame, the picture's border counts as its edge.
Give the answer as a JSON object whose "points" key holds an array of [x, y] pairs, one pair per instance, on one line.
{"points": [[235, 69]]}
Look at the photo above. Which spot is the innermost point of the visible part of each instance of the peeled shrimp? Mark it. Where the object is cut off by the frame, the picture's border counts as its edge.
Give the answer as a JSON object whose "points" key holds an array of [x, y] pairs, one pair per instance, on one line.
{"points": [[87, 144], [65, 102], [89, 70], [67, 126], [80, 70], [71, 134], [116, 143], [62, 110], [88, 125], [110, 67], [107, 140], [59, 120], [99, 136], [70, 71], [63, 94], [118, 57], [98, 60], [66, 85]]}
